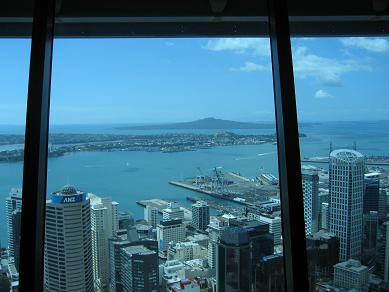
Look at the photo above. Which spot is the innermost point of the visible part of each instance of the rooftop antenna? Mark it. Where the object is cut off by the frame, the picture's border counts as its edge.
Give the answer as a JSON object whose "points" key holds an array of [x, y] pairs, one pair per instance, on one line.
{"points": [[331, 148], [355, 145]]}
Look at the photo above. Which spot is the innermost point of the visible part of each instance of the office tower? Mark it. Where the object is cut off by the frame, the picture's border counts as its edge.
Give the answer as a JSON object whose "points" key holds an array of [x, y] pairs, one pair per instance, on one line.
{"points": [[215, 227], [171, 231], [311, 199], [233, 264], [132, 234], [351, 275], [144, 231], [274, 226], [13, 202], [323, 198], [386, 261], [325, 216], [383, 204], [370, 229], [270, 274], [139, 269], [262, 241], [172, 212], [371, 192], [68, 246], [125, 220], [322, 255], [104, 224], [346, 174], [16, 219], [200, 215], [115, 262], [151, 215]]}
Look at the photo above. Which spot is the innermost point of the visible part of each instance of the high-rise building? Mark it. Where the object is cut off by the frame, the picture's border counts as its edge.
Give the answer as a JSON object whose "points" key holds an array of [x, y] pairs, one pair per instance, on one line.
{"points": [[115, 262], [311, 200], [233, 268], [13, 202], [325, 216], [151, 215], [386, 261], [322, 255], [371, 192], [140, 270], [370, 230], [200, 215], [346, 174], [274, 226], [270, 274], [16, 220], [104, 224], [68, 246], [262, 241], [125, 219], [215, 227], [171, 231], [351, 275], [173, 212]]}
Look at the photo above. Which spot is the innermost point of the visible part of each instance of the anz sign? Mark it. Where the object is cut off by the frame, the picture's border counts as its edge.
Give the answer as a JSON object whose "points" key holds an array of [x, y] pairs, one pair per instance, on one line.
{"points": [[60, 199]]}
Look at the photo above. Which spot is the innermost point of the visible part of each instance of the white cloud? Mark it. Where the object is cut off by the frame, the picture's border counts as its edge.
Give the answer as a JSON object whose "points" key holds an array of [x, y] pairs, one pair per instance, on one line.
{"points": [[376, 45], [326, 70], [169, 44], [259, 46], [322, 94], [252, 67]]}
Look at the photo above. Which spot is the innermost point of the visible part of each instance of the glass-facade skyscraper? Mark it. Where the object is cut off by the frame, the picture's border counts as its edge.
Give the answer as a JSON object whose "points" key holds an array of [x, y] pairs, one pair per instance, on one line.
{"points": [[346, 174], [234, 257]]}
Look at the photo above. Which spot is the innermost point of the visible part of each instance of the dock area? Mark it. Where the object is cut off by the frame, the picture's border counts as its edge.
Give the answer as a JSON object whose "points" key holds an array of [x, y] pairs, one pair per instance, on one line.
{"points": [[230, 186], [162, 204]]}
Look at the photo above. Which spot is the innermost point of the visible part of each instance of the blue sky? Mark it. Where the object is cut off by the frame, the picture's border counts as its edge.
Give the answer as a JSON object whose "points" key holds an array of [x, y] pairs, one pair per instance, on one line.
{"points": [[166, 80]]}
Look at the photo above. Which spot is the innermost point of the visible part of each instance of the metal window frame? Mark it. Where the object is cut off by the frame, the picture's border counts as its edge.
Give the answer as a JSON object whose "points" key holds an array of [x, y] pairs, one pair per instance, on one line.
{"points": [[31, 268], [37, 121]]}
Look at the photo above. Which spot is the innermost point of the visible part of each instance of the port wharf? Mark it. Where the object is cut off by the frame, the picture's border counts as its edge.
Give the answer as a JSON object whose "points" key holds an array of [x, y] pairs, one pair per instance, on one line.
{"points": [[230, 186], [210, 193]]}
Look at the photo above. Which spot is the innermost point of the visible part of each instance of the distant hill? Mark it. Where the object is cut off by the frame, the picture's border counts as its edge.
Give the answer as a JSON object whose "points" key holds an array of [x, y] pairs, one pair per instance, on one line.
{"points": [[207, 123]]}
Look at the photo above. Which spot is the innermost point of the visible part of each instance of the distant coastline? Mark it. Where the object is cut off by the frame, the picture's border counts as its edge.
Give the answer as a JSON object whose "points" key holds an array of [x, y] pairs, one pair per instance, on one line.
{"points": [[61, 144]]}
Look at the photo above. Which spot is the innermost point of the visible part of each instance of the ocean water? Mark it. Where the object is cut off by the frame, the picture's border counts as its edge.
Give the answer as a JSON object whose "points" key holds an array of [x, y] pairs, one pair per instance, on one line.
{"points": [[128, 176]]}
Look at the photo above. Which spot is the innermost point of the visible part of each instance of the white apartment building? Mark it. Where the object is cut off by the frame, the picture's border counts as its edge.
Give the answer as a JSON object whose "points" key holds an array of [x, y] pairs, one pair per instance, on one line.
{"points": [[104, 224], [151, 215], [172, 212], [170, 232], [12, 203], [186, 251], [310, 181]]}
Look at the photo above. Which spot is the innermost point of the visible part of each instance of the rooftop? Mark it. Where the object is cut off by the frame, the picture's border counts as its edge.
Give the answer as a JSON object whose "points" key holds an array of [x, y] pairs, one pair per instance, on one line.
{"points": [[346, 155]]}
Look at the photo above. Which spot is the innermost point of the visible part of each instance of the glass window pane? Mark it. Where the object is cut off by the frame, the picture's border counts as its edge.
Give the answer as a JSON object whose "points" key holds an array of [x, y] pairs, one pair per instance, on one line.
{"points": [[14, 69], [342, 104], [163, 166]]}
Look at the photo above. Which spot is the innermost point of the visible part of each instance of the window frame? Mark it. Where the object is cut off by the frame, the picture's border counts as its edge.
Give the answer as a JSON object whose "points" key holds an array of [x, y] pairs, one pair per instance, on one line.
{"points": [[241, 18]]}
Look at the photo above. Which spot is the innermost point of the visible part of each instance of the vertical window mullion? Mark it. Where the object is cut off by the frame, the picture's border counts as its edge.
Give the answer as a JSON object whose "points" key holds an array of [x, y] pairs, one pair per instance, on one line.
{"points": [[293, 227], [35, 151]]}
